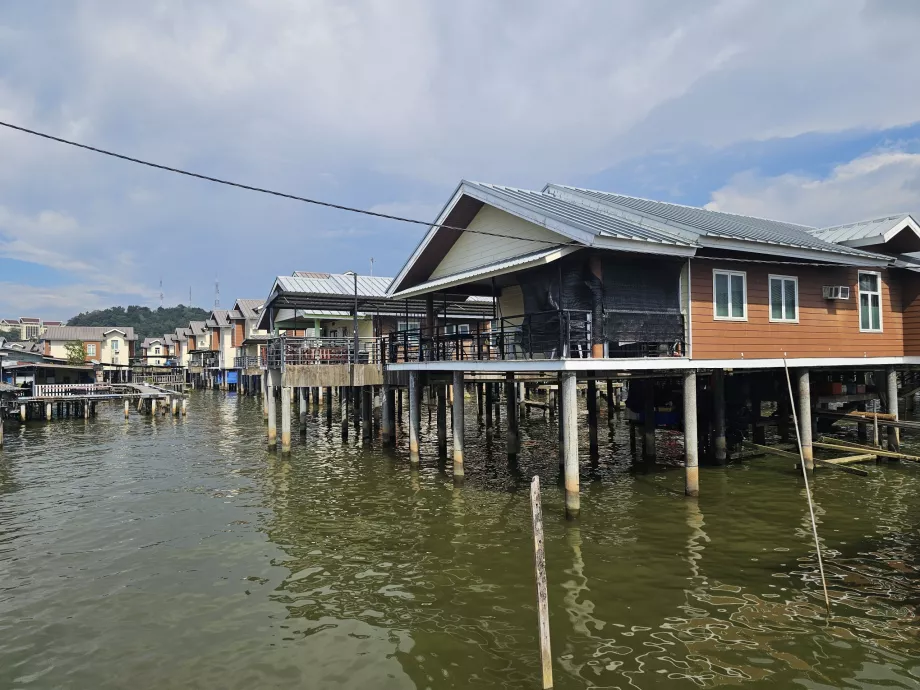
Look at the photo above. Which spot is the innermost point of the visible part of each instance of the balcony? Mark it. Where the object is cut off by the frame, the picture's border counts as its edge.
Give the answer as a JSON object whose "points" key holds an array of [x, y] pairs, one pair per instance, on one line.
{"points": [[549, 335], [286, 350], [205, 360], [247, 362]]}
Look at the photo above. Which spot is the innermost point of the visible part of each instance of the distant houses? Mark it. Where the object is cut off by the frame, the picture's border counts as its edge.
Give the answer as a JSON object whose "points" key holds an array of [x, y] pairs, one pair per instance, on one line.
{"points": [[111, 346], [27, 327]]}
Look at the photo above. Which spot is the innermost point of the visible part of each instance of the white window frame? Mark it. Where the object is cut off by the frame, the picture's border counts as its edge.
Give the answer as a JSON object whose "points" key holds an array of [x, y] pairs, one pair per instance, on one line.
{"points": [[115, 344], [881, 320], [783, 297], [91, 349], [743, 274]]}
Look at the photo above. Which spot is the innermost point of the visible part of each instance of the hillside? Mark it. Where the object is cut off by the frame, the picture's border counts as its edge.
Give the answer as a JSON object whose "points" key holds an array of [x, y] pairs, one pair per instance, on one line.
{"points": [[146, 322]]}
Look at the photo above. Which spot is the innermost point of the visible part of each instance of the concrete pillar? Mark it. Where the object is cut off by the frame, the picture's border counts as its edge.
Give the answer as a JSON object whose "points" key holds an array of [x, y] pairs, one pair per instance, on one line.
{"points": [[592, 415], [367, 414], [153, 407], [48, 411], [691, 442], [302, 409], [127, 408], [264, 391], [286, 394], [184, 407], [86, 409], [490, 406], [329, 405], [391, 406], [568, 418], [1, 432], [511, 409], [442, 422], [891, 379], [272, 421], [805, 418], [522, 400], [343, 403], [457, 416], [386, 410], [649, 426], [22, 412], [415, 418], [174, 407], [399, 406], [719, 444]]}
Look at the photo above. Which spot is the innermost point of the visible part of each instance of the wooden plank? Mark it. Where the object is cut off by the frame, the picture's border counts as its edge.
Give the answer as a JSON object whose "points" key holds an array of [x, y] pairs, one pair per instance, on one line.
{"points": [[848, 459], [877, 451], [773, 451], [842, 468], [539, 556]]}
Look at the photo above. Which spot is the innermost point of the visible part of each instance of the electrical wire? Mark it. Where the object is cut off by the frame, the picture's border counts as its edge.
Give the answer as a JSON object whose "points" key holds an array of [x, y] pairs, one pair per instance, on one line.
{"points": [[283, 195]]}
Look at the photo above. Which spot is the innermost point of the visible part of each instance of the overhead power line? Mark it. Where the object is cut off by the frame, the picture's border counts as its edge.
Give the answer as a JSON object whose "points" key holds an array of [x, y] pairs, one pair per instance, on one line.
{"points": [[262, 190]]}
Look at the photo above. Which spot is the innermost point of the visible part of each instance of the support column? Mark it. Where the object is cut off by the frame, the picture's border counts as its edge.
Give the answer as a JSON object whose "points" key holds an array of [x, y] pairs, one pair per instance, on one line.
{"points": [[343, 402], [592, 414], [511, 410], [442, 421], [415, 418], [386, 409], [286, 393], [367, 414], [391, 406], [184, 407], [272, 421], [399, 406], [758, 431], [175, 407], [568, 419], [86, 409], [1, 432], [805, 418], [302, 407], [127, 408], [490, 406], [610, 401], [48, 412], [457, 416], [691, 443], [891, 378], [329, 404], [264, 391], [649, 425], [720, 447], [153, 407], [479, 403]]}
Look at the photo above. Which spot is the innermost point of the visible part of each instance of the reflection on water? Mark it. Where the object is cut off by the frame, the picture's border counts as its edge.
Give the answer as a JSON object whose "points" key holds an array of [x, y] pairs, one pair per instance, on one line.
{"points": [[180, 553]]}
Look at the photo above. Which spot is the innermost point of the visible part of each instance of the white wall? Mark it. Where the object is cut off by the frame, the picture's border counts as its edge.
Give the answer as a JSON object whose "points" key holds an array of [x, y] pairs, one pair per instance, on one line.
{"points": [[472, 250]]}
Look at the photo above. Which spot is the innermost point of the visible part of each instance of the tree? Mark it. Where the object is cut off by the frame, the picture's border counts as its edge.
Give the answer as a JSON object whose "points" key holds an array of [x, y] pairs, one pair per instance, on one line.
{"points": [[147, 323], [9, 334], [76, 352]]}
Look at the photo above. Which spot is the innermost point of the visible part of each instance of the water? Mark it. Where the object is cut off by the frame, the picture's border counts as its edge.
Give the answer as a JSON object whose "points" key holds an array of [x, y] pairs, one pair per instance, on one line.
{"points": [[181, 554]]}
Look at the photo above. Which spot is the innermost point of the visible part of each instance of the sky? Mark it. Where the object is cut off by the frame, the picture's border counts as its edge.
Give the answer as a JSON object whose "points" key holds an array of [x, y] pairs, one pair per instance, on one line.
{"points": [[801, 111]]}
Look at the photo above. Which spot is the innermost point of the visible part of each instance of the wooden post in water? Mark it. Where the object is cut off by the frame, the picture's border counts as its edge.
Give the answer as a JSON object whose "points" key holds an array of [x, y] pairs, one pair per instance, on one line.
{"points": [[511, 409], [804, 419], [86, 409], [610, 403], [592, 415], [568, 417], [264, 390], [457, 415], [386, 410], [891, 379], [479, 403], [367, 414], [720, 446], [272, 421], [691, 442], [442, 421], [490, 406], [127, 408], [286, 393], [539, 557], [343, 403], [184, 407], [649, 423], [415, 418], [1, 432], [328, 404], [48, 412], [302, 409]]}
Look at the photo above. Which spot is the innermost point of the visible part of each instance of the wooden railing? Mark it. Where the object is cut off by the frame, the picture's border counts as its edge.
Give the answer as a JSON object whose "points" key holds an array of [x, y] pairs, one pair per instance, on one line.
{"points": [[55, 389]]}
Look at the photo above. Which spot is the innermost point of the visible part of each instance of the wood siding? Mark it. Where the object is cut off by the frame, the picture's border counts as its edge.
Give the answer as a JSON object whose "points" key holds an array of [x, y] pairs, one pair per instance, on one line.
{"points": [[911, 300], [238, 335], [215, 339], [826, 328], [472, 249], [97, 355]]}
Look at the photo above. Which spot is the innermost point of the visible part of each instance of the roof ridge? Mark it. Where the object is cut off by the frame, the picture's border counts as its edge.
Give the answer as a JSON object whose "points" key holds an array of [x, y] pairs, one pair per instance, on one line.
{"points": [[889, 216]]}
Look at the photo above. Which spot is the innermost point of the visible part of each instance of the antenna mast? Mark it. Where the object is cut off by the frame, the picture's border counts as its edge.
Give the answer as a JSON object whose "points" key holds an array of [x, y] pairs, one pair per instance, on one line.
{"points": [[216, 293], [161, 293]]}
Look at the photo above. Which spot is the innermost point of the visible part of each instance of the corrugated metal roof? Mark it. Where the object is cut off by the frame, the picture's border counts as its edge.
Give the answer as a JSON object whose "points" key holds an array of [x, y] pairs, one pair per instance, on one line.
{"points": [[85, 332], [713, 223], [197, 328], [583, 217], [220, 317], [235, 314], [875, 227], [336, 284], [249, 307]]}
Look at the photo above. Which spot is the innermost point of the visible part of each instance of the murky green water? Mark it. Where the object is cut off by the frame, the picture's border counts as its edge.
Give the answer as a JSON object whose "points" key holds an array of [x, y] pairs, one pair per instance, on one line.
{"points": [[181, 554]]}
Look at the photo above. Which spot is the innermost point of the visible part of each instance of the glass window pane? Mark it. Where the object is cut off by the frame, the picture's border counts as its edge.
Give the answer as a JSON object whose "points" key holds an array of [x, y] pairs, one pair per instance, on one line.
{"points": [[868, 282], [738, 296], [789, 290], [776, 298], [721, 294], [864, 311], [876, 313]]}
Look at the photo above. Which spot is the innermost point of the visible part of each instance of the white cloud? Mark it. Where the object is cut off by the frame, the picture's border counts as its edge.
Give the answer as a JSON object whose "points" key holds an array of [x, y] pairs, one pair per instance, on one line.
{"points": [[874, 185], [368, 102]]}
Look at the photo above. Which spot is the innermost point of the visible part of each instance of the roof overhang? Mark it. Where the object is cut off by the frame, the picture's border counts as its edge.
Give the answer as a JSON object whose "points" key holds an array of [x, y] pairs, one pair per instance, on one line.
{"points": [[114, 330], [906, 225], [783, 250]]}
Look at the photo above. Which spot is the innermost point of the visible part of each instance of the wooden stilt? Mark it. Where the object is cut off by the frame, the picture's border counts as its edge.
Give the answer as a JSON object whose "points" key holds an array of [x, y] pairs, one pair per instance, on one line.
{"points": [[720, 446], [536, 512], [490, 406], [511, 409], [569, 420], [367, 410], [457, 418], [272, 421], [302, 410], [649, 423], [804, 421], [891, 380], [286, 394], [386, 409], [610, 403], [691, 442], [343, 403], [592, 415], [442, 421], [415, 419]]}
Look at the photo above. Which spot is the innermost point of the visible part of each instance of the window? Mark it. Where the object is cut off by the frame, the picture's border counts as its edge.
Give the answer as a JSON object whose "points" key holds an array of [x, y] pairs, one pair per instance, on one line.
{"points": [[413, 326], [115, 345], [91, 349], [729, 295], [870, 301], [156, 350], [784, 298], [462, 329]]}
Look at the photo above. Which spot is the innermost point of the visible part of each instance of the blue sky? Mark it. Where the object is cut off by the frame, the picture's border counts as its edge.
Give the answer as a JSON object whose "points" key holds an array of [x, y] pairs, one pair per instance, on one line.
{"points": [[800, 111]]}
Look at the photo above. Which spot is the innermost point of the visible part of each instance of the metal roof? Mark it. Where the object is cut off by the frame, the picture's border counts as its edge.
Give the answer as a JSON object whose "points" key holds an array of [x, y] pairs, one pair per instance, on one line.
{"points": [[708, 223], [235, 314], [864, 229], [219, 317], [249, 307], [197, 328], [85, 332], [583, 217], [334, 284]]}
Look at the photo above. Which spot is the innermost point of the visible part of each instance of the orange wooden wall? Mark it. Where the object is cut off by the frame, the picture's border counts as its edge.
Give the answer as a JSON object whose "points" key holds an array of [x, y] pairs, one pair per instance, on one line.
{"points": [[826, 328]]}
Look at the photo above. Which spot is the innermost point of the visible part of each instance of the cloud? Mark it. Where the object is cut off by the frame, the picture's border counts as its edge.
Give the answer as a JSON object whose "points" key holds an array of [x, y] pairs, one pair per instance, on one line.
{"points": [[364, 105], [877, 184]]}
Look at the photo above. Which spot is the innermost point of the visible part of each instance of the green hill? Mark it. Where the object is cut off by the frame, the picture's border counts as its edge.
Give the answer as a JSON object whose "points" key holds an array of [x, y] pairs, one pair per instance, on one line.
{"points": [[146, 322]]}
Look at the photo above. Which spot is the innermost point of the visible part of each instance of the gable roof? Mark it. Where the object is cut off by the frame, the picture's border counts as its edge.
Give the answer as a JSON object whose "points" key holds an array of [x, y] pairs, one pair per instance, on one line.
{"points": [[248, 307], [86, 332], [219, 318], [197, 328], [869, 232]]}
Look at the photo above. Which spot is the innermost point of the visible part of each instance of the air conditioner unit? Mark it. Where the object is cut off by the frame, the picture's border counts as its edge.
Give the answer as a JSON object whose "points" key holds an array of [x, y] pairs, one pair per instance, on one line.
{"points": [[836, 291]]}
